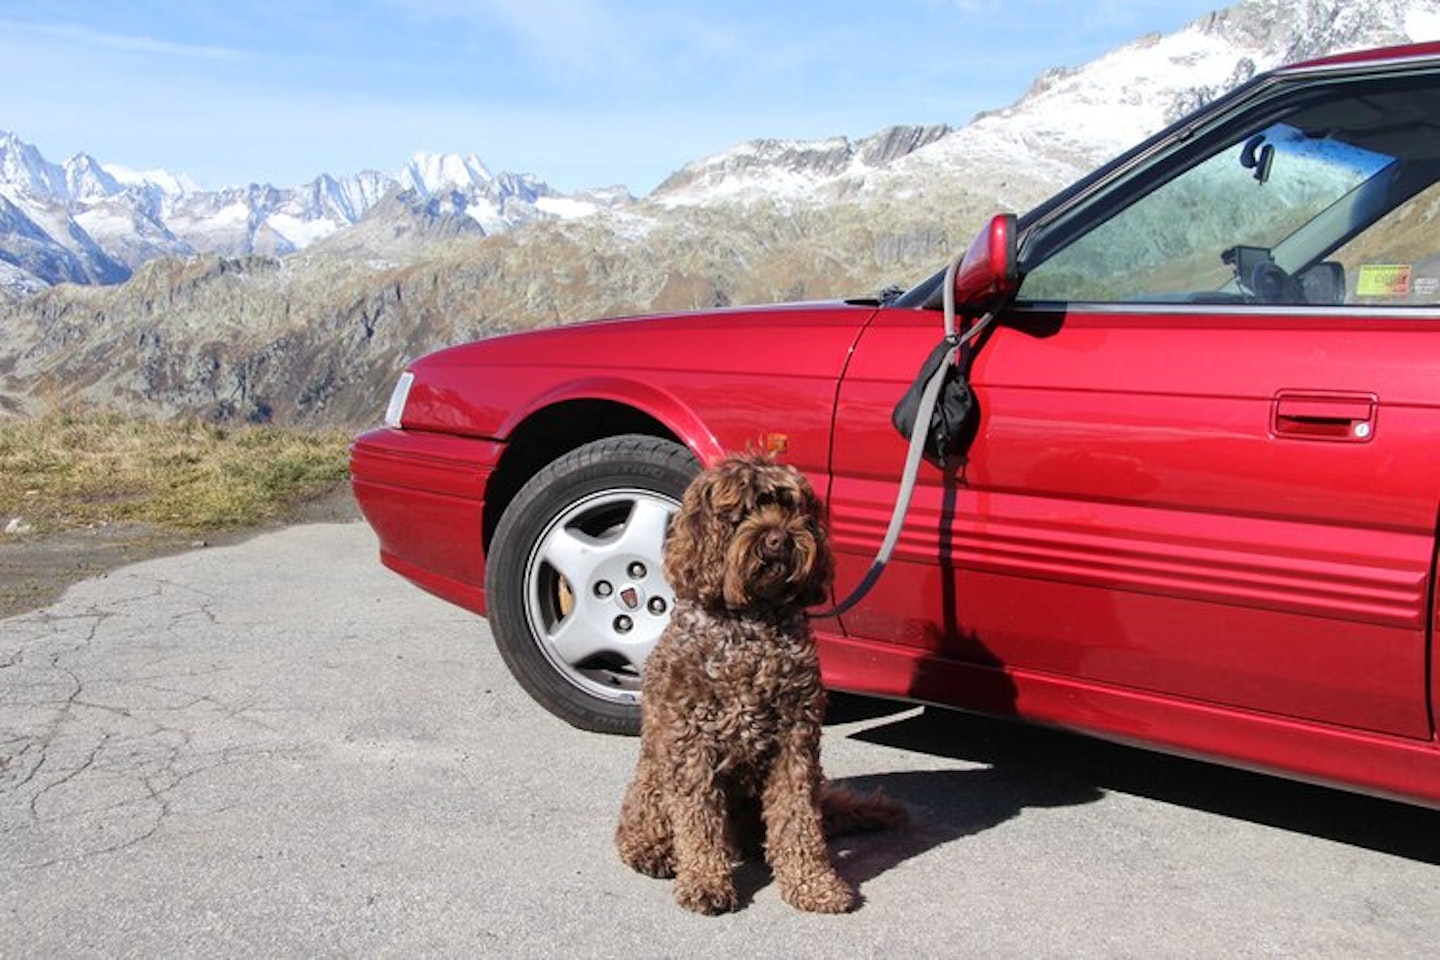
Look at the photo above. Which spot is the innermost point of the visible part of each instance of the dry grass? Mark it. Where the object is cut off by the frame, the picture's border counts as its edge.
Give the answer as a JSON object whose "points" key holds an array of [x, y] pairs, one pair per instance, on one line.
{"points": [[67, 470]]}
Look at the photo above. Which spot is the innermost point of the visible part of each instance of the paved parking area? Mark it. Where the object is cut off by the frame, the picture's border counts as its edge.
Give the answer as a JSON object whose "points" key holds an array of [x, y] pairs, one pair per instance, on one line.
{"points": [[277, 748]]}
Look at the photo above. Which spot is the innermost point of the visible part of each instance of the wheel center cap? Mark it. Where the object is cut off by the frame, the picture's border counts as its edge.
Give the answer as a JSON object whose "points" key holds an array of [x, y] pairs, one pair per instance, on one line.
{"points": [[629, 598]]}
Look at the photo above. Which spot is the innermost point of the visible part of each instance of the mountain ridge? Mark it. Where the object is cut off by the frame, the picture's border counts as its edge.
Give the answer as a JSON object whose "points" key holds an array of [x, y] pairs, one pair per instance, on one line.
{"points": [[87, 222]]}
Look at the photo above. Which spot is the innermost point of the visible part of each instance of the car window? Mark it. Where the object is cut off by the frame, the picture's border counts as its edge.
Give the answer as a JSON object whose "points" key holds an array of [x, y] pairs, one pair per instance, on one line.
{"points": [[1397, 261], [1333, 205]]}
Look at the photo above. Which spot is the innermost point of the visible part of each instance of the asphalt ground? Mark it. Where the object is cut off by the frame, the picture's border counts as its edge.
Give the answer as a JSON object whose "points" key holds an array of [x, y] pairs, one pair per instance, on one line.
{"points": [[277, 748]]}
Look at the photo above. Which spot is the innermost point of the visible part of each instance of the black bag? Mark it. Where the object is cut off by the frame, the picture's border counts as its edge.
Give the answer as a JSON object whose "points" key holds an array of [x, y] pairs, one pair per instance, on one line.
{"points": [[946, 434]]}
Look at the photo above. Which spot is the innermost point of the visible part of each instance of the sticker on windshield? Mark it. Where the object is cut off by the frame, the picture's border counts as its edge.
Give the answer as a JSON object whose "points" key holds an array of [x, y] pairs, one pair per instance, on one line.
{"points": [[1383, 280]]}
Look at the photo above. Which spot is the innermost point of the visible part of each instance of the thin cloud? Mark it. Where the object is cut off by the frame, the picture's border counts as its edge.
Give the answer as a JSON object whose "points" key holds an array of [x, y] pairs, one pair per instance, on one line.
{"points": [[130, 43], [584, 37]]}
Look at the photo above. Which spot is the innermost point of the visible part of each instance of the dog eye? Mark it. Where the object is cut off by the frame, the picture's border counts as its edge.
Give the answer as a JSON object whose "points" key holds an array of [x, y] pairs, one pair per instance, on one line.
{"points": [[778, 498]]}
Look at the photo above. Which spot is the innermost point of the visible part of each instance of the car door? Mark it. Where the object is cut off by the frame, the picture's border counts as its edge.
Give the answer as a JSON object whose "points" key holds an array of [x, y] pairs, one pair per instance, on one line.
{"points": [[1203, 466]]}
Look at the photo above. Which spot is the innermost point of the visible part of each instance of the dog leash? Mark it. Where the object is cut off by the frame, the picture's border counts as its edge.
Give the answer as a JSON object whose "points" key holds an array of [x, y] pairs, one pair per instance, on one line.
{"points": [[928, 398]]}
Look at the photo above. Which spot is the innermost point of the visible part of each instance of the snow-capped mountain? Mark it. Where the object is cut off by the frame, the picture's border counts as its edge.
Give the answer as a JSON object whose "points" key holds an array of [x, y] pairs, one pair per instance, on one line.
{"points": [[1073, 119], [86, 222], [791, 170], [38, 237], [1070, 120]]}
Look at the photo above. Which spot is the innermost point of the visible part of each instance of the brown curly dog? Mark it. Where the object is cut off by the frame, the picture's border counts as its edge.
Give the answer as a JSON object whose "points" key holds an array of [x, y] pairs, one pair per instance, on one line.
{"points": [[731, 702]]}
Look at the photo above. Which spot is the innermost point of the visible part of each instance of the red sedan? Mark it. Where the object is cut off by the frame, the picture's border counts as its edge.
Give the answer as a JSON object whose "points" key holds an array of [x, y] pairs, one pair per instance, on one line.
{"points": [[1195, 505]]}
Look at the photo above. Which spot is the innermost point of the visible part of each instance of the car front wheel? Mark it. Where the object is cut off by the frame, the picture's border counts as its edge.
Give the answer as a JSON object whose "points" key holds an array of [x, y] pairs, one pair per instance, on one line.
{"points": [[573, 583]]}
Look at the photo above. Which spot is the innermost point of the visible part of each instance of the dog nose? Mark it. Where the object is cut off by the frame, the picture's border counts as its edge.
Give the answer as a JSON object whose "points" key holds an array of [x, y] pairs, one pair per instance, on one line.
{"points": [[775, 542]]}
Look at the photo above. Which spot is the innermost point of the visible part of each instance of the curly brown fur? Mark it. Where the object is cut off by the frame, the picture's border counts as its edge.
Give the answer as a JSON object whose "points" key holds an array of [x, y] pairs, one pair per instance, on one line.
{"points": [[731, 702]]}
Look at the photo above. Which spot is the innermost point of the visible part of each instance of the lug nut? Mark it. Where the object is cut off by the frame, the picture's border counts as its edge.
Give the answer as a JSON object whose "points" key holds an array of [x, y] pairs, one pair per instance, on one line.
{"points": [[623, 624], [603, 589], [656, 605]]}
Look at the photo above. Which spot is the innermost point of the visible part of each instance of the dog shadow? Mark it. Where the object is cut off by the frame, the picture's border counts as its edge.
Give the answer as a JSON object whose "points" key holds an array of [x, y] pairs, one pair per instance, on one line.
{"points": [[944, 805], [949, 805]]}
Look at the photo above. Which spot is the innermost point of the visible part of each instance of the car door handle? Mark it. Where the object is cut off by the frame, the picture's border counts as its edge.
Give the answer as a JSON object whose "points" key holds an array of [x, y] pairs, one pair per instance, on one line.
{"points": [[1317, 415]]}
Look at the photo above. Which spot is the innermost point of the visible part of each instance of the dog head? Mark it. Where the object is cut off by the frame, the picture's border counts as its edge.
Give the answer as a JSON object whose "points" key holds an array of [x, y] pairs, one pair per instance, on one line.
{"points": [[749, 539]]}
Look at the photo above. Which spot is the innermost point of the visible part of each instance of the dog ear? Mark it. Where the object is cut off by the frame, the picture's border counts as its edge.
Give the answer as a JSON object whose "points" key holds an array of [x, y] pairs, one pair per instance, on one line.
{"points": [[822, 572], [727, 488], [690, 566]]}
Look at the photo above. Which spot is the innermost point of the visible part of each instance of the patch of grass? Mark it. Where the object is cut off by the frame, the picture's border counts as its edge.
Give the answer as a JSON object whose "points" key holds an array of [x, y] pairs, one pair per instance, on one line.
{"points": [[79, 469]]}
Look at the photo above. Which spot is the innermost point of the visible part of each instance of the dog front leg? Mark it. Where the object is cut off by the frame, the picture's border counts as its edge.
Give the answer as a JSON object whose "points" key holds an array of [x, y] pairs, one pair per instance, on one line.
{"points": [[644, 836], [703, 881], [794, 832]]}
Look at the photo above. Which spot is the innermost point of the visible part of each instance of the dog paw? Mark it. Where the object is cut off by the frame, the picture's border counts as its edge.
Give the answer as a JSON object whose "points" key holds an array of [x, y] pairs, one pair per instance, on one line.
{"points": [[822, 895], [706, 900], [652, 863]]}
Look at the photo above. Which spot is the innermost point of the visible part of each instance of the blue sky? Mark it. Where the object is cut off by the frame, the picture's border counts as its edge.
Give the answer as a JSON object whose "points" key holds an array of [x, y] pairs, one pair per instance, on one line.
{"points": [[581, 93]]}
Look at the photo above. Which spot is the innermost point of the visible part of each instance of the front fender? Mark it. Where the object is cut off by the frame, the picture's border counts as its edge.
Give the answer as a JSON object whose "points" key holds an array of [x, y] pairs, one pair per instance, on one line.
{"points": [[659, 404]]}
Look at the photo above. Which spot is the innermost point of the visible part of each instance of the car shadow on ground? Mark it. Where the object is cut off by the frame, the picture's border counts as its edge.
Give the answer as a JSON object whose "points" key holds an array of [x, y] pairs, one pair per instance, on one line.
{"points": [[1025, 766]]}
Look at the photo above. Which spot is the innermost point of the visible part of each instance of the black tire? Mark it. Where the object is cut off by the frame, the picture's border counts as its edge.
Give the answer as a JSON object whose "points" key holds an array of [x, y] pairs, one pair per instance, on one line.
{"points": [[573, 584]]}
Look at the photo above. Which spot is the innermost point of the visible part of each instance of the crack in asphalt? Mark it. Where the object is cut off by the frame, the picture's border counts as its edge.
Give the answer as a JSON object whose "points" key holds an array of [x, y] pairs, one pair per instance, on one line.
{"points": [[98, 746]]}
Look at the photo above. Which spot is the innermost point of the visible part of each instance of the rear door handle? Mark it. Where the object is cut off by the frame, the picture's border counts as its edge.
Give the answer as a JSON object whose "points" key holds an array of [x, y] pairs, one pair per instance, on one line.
{"points": [[1320, 415]]}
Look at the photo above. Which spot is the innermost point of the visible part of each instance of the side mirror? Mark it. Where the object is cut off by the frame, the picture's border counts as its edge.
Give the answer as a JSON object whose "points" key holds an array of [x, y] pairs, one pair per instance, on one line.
{"points": [[988, 272]]}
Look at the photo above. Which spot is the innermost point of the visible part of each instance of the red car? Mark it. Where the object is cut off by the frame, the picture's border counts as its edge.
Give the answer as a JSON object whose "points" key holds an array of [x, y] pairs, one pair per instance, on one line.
{"points": [[1197, 506]]}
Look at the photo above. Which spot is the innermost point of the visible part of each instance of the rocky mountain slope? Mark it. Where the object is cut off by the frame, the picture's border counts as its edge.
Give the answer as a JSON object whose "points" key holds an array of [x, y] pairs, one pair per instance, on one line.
{"points": [[317, 334]]}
